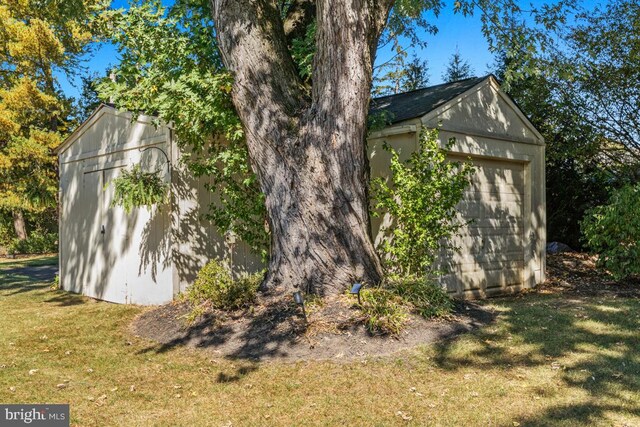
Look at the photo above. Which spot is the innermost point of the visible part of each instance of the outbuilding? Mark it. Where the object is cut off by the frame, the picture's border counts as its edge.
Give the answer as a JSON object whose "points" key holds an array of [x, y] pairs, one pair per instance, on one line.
{"points": [[149, 256], [502, 249]]}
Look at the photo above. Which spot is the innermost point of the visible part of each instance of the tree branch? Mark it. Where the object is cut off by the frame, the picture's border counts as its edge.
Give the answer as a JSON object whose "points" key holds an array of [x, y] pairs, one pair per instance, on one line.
{"points": [[254, 49]]}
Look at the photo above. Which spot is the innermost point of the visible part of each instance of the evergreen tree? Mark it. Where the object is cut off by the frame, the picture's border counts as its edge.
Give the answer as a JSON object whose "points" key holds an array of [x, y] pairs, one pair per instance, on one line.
{"points": [[457, 69]]}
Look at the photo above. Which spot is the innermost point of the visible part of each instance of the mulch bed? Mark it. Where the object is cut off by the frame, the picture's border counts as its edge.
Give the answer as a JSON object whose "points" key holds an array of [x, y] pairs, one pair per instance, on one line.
{"points": [[276, 330], [575, 273]]}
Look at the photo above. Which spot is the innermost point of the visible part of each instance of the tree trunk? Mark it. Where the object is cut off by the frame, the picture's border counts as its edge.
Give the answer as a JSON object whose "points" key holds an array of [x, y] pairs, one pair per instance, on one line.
{"points": [[309, 154], [19, 225]]}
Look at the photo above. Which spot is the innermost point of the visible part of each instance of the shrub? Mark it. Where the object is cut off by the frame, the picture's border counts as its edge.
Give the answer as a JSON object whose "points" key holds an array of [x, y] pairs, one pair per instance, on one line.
{"points": [[384, 311], [215, 286], [36, 243], [613, 232], [421, 198], [386, 308], [427, 299]]}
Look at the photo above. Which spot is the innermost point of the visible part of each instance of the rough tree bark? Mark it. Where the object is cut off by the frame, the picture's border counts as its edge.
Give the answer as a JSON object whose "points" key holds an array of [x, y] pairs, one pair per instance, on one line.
{"points": [[19, 225], [309, 153]]}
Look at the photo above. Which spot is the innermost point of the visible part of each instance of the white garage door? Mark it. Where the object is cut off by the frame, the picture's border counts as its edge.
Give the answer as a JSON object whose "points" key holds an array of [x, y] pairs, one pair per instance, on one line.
{"points": [[491, 255]]}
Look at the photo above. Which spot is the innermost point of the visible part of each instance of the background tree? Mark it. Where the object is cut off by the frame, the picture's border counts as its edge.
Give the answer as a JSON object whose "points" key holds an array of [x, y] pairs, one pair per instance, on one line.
{"points": [[36, 40], [457, 69], [417, 75], [402, 76], [600, 71], [582, 94]]}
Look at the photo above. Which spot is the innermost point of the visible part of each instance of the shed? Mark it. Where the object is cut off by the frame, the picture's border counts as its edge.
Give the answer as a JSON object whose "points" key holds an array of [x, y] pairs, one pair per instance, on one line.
{"points": [[502, 250], [149, 256], [146, 256]]}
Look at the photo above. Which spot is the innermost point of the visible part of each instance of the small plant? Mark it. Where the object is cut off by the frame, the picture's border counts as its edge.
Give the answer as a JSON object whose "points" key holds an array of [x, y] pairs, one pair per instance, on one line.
{"points": [[384, 311], [56, 283], [135, 188], [613, 232], [386, 308], [421, 198], [428, 299], [215, 287]]}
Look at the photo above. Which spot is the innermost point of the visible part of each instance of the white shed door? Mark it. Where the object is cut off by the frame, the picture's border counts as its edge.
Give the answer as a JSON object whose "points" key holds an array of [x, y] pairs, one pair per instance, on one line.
{"points": [[125, 256], [491, 255]]}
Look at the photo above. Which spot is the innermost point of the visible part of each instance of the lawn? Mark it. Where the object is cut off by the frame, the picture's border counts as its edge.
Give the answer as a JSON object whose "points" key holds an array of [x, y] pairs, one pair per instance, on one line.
{"points": [[549, 359]]}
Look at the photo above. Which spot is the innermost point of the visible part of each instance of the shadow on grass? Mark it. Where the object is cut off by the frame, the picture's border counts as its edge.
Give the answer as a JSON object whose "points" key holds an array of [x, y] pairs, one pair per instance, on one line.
{"points": [[593, 344], [25, 278]]}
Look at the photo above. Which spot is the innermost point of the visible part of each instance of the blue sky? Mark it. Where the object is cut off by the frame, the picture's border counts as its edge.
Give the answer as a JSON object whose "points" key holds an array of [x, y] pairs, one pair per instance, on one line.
{"points": [[455, 31]]}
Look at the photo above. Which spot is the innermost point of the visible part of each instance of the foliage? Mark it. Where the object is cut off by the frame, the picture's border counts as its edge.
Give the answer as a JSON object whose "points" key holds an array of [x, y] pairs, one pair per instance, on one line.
{"points": [[597, 67], [37, 242], [135, 188], [427, 299], [457, 69], [613, 232], [215, 287], [420, 198], [171, 66], [38, 43], [386, 308], [303, 51], [402, 76], [384, 311]]}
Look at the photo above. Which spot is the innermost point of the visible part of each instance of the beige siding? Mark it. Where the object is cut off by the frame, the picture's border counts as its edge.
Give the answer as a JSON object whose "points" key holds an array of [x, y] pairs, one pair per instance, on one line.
{"points": [[503, 249], [196, 239]]}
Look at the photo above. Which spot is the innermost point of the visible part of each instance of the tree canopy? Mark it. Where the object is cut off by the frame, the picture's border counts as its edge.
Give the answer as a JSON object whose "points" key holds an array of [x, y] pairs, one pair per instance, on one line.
{"points": [[36, 40]]}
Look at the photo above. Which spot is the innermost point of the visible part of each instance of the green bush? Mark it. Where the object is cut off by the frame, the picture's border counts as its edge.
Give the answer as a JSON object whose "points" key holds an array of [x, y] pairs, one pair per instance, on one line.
{"points": [[427, 299], [384, 311], [214, 286], [37, 243], [386, 308], [421, 197], [613, 232]]}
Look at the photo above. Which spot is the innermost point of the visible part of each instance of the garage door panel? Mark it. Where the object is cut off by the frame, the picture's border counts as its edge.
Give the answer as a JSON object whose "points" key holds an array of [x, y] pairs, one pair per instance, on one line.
{"points": [[475, 267], [493, 195], [491, 245], [483, 209]]}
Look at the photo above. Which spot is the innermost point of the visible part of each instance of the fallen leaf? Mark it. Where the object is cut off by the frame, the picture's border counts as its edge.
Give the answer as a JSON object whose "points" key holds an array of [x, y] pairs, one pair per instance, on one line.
{"points": [[12, 389], [404, 416], [132, 388], [113, 390], [61, 386], [33, 371], [89, 370]]}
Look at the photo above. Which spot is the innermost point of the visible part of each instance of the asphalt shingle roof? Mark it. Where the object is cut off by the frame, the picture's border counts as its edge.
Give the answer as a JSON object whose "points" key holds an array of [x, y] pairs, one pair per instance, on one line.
{"points": [[417, 103]]}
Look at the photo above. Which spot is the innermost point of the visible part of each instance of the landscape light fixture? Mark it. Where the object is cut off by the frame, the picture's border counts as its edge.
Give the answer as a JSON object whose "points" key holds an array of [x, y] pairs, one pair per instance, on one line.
{"points": [[355, 290], [299, 299]]}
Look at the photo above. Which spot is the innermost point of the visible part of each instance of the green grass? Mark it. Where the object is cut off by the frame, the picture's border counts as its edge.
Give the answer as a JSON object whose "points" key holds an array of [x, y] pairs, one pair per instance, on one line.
{"points": [[548, 360]]}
